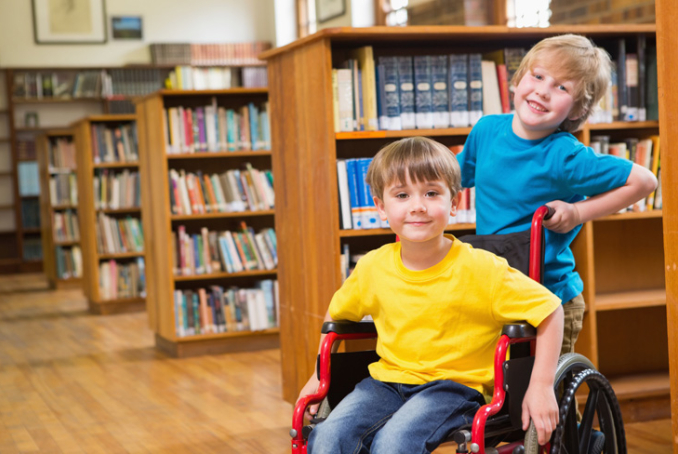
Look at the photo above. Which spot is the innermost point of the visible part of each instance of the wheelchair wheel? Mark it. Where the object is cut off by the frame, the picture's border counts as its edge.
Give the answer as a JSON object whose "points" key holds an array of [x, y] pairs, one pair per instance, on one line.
{"points": [[571, 437], [569, 364]]}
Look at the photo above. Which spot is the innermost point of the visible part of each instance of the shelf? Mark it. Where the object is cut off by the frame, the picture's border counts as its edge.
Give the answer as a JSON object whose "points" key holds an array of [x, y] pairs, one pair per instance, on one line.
{"points": [[64, 207], [375, 232], [33, 231], [66, 171], [11, 261], [201, 277], [6, 207], [228, 91], [622, 125], [227, 335], [120, 210], [5, 139], [67, 243], [403, 133], [641, 385], [54, 100], [220, 154], [115, 165], [630, 300], [236, 214], [117, 306], [112, 118], [624, 216], [30, 196], [38, 129], [120, 255]]}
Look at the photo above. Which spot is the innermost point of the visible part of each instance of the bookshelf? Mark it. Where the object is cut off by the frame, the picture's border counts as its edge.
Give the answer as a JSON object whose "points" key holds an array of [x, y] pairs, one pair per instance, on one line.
{"points": [[156, 164], [62, 257], [620, 289], [98, 259]]}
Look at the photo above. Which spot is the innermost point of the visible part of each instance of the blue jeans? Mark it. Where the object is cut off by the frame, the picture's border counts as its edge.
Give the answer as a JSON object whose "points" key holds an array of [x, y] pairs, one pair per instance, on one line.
{"points": [[392, 418]]}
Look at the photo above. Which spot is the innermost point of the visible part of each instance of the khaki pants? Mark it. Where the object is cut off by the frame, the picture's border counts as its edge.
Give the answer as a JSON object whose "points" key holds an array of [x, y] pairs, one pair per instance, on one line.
{"points": [[573, 312]]}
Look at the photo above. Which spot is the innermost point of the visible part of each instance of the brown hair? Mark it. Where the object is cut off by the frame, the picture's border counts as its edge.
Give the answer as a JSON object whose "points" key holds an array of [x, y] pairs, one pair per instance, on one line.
{"points": [[421, 158], [575, 58]]}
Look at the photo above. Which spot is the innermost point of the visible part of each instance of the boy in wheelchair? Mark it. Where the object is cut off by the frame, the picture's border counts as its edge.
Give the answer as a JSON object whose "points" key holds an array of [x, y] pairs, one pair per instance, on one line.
{"points": [[438, 306]]}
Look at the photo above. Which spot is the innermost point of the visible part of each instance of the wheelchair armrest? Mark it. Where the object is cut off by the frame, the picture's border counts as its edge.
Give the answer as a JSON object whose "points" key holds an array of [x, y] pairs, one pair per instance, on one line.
{"points": [[347, 327], [519, 330]]}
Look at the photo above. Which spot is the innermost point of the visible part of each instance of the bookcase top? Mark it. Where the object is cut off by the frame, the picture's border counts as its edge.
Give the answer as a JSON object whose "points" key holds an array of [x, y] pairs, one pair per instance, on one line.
{"points": [[106, 117], [384, 34]]}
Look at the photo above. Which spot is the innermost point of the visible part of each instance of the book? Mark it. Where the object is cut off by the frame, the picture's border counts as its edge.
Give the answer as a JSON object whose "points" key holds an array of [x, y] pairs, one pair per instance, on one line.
{"points": [[344, 195], [458, 87], [475, 88], [391, 93], [491, 96], [406, 89], [439, 80], [423, 92], [365, 58]]}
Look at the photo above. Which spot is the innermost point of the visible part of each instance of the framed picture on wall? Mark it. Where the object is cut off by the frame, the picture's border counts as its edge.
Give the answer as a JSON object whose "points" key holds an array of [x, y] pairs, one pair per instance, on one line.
{"points": [[69, 21], [329, 9], [127, 27]]}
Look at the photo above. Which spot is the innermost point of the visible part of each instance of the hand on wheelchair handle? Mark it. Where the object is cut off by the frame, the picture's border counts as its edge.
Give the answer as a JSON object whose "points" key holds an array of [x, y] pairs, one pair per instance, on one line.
{"points": [[562, 216], [311, 387]]}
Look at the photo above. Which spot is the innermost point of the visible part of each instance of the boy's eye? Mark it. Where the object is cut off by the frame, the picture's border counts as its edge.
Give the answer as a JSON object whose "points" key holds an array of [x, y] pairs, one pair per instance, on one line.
{"points": [[537, 76], [431, 194], [563, 88], [401, 195]]}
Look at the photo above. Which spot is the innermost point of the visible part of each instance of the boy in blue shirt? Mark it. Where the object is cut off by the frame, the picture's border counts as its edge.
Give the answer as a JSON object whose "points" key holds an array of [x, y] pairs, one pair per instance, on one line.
{"points": [[519, 162], [438, 306]]}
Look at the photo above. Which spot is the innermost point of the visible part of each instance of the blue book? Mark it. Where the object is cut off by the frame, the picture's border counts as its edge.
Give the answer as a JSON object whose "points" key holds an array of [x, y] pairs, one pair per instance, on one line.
{"points": [[353, 191], [475, 84], [459, 113], [197, 257], [267, 287], [388, 84], [195, 304], [225, 254], [406, 86], [423, 92], [254, 127], [441, 106], [369, 214], [381, 113]]}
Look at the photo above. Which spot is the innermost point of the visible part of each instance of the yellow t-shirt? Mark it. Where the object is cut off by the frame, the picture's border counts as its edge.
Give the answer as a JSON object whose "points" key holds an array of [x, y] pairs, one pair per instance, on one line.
{"points": [[442, 322]]}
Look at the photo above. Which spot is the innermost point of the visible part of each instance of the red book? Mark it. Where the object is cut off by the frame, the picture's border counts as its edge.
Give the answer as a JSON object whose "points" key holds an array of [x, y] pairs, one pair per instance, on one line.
{"points": [[502, 77]]}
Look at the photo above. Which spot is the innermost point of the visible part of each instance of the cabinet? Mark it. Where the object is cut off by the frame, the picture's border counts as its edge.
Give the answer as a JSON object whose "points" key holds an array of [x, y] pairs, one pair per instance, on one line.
{"points": [[60, 228], [110, 237], [619, 257], [156, 162]]}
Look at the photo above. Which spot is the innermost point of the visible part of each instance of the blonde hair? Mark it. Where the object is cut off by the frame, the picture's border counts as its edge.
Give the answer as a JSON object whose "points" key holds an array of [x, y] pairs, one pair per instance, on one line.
{"points": [[575, 58], [421, 158]]}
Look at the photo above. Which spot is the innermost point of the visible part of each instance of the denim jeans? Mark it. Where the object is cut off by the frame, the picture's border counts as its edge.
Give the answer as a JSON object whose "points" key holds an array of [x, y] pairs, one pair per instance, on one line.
{"points": [[392, 418]]}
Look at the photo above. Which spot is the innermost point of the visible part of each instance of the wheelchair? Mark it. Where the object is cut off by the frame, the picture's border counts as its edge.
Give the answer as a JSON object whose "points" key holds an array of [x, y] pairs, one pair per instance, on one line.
{"points": [[497, 426]]}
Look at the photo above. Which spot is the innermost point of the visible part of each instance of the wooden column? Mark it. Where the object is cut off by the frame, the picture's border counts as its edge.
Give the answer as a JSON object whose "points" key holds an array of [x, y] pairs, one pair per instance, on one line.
{"points": [[667, 61]]}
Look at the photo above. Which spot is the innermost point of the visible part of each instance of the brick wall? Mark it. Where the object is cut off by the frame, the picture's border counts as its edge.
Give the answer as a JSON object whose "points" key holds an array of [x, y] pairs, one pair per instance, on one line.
{"points": [[602, 11]]}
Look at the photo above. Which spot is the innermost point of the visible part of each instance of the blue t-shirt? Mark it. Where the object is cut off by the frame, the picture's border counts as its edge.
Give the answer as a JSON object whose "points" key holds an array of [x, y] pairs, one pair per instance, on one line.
{"points": [[514, 176]]}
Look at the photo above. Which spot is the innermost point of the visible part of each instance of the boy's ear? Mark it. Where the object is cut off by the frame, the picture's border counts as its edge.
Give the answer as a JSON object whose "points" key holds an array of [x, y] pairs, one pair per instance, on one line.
{"points": [[380, 208], [576, 115], [455, 203]]}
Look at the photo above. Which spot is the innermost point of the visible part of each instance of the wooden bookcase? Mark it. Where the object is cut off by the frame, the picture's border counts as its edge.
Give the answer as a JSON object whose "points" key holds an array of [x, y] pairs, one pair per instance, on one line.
{"points": [[620, 258], [91, 257], [47, 210], [155, 165]]}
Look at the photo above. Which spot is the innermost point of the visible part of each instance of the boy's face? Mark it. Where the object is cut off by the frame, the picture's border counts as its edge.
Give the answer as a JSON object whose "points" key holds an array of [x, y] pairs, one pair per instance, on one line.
{"points": [[542, 101], [417, 212]]}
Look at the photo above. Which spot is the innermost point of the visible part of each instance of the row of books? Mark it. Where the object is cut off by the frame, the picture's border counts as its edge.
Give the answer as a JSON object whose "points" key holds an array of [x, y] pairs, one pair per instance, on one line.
{"points": [[29, 179], [441, 91], [215, 128], [644, 152], [227, 251], [115, 190], [118, 235], [32, 249], [226, 54], [30, 213], [71, 84], [216, 78], [122, 280], [65, 226], [232, 191], [26, 149], [114, 143], [356, 206], [62, 155], [68, 262], [63, 189], [219, 310]]}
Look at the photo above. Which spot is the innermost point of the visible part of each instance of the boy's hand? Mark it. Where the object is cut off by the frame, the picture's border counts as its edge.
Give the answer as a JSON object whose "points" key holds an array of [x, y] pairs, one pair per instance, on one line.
{"points": [[311, 387], [565, 218], [540, 405]]}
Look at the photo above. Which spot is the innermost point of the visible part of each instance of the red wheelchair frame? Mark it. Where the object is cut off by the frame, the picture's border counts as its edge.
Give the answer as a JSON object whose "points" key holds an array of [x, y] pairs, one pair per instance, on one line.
{"points": [[501, 350]]}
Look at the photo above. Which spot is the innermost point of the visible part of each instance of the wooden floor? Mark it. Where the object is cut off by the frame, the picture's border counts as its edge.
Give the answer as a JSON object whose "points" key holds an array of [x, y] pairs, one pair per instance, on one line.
{"points": [[71, 382]]}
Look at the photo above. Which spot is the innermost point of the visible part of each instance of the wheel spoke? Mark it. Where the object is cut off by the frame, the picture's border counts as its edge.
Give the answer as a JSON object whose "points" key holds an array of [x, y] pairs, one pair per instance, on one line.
{"points": [[586, 425], [571, 441]]}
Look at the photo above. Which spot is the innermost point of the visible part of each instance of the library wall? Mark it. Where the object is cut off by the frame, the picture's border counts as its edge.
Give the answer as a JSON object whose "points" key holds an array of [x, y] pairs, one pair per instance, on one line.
{"points": [[602, 12], [163, 21]]}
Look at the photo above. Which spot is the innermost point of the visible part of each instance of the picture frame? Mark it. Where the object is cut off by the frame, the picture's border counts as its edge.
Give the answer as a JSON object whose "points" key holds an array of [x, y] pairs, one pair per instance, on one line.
{"points": [[127, 27], [72, 22], [326, 10]]}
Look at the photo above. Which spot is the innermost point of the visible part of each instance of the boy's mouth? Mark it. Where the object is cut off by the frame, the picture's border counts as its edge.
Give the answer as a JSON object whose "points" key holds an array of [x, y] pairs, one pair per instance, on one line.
{"points": [[536, 106]]}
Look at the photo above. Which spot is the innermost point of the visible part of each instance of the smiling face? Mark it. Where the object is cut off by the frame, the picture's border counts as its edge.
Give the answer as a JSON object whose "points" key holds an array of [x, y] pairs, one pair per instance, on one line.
{"points": [[418, 212], [542, 101]]}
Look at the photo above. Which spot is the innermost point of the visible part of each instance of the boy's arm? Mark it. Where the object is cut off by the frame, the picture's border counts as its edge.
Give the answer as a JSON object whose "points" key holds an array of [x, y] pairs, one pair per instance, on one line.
{"points": [[640, 183], [540, 403], [311, 386]]}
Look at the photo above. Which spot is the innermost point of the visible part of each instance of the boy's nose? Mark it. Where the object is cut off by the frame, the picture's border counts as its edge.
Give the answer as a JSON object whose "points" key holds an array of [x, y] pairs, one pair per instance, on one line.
{"points": [[417, 206]]}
